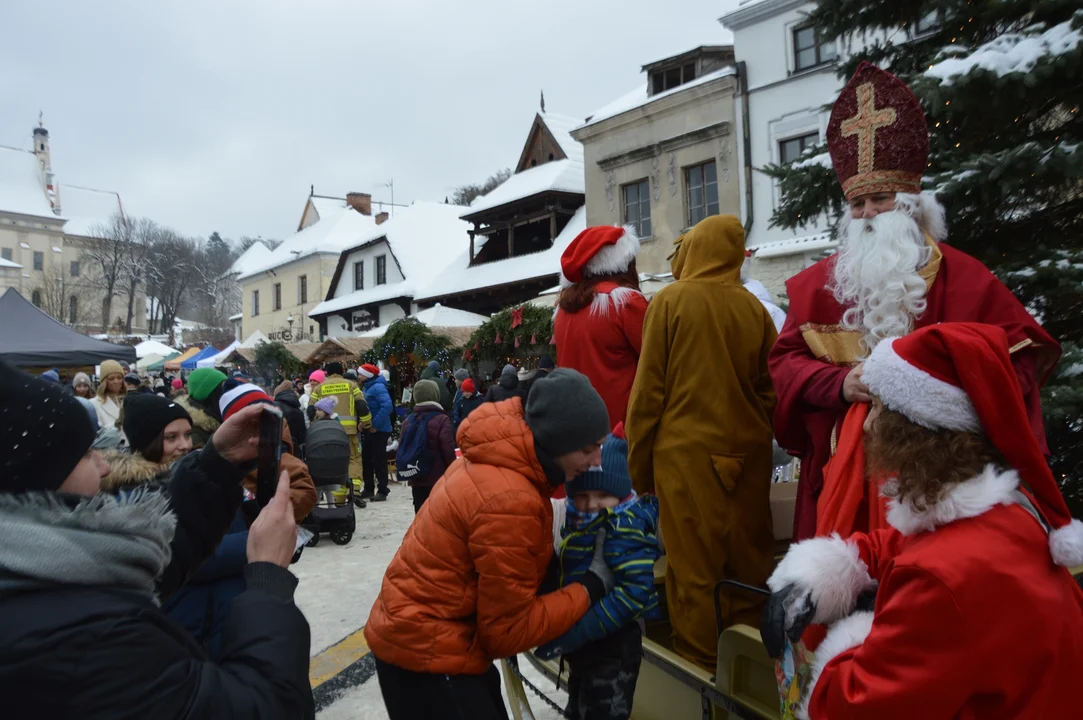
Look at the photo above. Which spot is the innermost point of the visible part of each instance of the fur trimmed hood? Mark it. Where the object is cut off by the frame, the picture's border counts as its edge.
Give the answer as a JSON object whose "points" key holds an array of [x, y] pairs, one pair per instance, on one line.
{"points": [[129, 470], [203, 425]]}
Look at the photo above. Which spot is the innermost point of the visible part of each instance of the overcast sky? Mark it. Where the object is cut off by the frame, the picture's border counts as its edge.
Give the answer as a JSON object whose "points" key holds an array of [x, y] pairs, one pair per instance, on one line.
{"points": [[218, 115]]}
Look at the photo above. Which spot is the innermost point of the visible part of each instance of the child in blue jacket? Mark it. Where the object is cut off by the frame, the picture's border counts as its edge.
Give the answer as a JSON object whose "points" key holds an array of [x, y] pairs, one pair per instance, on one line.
{"points": [[603, 648]]}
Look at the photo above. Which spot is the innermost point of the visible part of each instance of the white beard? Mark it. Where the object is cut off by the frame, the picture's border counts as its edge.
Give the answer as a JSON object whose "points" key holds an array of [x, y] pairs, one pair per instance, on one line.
{"points": [[876, 275]]}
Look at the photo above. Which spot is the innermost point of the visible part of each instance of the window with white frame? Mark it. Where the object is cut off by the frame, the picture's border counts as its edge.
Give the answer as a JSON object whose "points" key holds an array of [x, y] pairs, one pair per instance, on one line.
{"points": [[381, 269], [255, 303], [637, 207], [791, 148], [701, 191], [809, 50]]}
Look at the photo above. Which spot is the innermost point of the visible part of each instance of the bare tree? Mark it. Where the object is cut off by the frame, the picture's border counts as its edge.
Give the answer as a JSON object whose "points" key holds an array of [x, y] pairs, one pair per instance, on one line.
{"points": [[170, 263], [133, 265], [104, 259], [465, 194], [63, 297]]}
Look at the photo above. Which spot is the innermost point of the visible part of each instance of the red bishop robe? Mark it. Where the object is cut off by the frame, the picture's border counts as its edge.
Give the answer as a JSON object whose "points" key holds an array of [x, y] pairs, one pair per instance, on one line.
{"points": [[814, 354]]}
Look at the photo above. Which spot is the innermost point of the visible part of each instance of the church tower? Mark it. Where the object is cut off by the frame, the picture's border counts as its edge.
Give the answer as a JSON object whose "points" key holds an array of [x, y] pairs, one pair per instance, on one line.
{"points": [[41, 151]]}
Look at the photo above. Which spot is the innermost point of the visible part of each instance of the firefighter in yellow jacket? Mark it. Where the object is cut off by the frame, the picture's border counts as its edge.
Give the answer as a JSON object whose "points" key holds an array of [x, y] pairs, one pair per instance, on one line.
{"points": [[699, 433], [351, 408]]}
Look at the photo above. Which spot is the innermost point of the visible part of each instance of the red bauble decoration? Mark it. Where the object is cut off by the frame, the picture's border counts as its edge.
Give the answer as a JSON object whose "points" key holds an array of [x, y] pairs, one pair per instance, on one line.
{"points": [[516, 341], [551, 340], [477, 344], [516, 317], [534, 339], [499, 340]]}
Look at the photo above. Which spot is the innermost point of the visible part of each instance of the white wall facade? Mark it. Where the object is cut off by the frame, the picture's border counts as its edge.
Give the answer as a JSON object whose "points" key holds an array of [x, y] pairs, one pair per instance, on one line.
{"points": [[368, 256], [783, 103]]}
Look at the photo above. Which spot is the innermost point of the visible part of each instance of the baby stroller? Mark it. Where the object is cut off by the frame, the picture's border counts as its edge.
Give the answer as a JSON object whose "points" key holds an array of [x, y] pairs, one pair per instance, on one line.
{"points": [[328, 458]]}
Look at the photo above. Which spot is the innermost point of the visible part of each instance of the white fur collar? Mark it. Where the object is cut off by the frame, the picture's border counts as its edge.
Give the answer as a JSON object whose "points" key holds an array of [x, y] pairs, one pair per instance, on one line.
{"points": [[620, 296], [968, 499]]}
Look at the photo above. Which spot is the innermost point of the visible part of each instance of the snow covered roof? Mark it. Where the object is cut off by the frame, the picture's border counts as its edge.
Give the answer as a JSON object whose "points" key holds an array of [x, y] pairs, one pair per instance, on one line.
{"points": [[9, 264], [460, 277], [86, 208], [253, 340], [638, 97], [153, 347], [238, 316], [330, 235], [1009, 53], [437, 316], [257, 255], [559, 175], [21, 190], [423, 238], [794, 246], [561, 126]]}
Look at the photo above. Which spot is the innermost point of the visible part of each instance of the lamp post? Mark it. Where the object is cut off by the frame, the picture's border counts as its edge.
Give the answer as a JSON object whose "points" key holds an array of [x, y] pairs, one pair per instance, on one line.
{"points": [[289, 319]]}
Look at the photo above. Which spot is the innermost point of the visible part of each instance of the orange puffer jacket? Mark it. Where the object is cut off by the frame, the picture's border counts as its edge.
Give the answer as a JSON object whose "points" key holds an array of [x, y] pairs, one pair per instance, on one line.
{"points": [[462, 589]]}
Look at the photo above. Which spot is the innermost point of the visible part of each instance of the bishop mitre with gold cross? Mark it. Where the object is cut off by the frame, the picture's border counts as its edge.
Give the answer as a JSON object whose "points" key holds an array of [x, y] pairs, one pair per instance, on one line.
{"points": [[894, 272]]}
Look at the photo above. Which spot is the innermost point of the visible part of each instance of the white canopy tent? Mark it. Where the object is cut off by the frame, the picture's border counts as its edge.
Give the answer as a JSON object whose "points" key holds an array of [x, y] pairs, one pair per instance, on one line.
{"points": [[153, 347], [220, 358], [437, 316]]}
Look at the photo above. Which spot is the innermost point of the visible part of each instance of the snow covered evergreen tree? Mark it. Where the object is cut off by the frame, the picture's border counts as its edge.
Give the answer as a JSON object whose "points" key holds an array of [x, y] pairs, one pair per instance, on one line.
{"points": [[1002, 85]]}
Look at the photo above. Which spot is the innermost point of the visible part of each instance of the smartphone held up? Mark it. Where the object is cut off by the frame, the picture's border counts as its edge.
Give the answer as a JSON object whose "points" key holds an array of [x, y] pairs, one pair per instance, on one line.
{"points": [[270, 454]]}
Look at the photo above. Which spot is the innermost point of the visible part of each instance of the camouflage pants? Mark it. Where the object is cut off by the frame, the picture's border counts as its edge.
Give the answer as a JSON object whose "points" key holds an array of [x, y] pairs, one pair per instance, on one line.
{"points": [[602, 681]]}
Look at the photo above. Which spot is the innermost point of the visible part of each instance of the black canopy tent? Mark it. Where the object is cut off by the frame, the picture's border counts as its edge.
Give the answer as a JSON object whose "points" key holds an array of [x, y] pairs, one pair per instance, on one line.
{"points": [[30, 338]]}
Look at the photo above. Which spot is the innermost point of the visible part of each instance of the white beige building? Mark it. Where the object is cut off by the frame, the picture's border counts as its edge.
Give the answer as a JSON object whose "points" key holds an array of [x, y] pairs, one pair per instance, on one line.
{"points": [[377, 279], [663, 156], [280, 288], [45, 227]]}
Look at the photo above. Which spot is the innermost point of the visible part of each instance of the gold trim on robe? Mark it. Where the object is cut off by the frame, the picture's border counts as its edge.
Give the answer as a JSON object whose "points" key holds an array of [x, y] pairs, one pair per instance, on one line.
{"points": [[832, 344]]}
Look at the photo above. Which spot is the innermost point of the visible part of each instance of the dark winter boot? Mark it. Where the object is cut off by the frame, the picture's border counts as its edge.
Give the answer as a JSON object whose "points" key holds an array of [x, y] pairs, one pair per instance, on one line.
{"points": [[380, 497]]}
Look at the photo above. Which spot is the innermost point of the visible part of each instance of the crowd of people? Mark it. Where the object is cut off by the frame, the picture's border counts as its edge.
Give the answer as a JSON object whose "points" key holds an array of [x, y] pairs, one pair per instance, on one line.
{"points": [[931, 539]]}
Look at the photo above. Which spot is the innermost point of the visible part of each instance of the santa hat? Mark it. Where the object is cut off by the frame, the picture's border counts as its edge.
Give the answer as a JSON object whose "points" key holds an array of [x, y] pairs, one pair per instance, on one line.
{"points": [[602, 250], [368, 371], [235, 397], [959, 376]]}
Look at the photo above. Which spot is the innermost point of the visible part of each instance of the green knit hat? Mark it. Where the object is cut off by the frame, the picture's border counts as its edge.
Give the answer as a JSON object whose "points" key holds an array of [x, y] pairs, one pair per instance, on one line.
{"points": [[202, 382]]}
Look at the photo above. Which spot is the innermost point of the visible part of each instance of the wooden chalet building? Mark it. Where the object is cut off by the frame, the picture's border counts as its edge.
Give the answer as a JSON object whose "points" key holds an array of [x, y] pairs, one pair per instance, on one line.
{"points": [[520, 228]]}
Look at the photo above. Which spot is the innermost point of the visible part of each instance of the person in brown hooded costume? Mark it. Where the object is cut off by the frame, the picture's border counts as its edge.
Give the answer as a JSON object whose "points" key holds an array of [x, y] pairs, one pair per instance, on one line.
{"points": [[699, 433]]}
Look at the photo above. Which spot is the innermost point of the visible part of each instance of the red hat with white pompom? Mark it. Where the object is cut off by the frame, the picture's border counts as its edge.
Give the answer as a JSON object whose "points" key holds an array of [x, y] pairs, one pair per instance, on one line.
{"points": [[602, 250], [368, 371], [959, 376]]}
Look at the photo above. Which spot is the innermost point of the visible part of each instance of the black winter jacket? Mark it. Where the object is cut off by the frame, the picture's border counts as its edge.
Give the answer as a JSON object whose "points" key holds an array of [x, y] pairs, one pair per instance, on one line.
{"points": [[507, 388], [439, 441], [90, 652], [290, 404]]}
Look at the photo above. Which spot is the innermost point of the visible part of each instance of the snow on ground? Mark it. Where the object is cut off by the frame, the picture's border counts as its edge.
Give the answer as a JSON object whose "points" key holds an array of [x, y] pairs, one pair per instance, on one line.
{"points": [[338, 586]]}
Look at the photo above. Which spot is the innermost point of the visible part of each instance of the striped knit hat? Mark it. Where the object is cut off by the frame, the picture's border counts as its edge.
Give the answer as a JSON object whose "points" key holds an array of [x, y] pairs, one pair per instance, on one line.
{"points": [[237, 396]]}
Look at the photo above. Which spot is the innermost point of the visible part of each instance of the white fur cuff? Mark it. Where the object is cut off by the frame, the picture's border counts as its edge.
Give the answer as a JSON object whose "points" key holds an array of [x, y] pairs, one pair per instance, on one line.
{"points": [[1066, 544], [844, 635], [830, 569]]}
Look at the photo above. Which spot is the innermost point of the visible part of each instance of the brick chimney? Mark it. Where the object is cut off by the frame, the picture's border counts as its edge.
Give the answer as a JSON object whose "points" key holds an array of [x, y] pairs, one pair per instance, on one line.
{"points": [[381, 217], [361, 202]]}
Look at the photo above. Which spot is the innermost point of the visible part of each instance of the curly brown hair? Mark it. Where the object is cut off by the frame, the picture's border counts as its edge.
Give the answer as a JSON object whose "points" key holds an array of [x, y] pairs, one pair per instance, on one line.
{"points": [[925, 463], [576, 297]]}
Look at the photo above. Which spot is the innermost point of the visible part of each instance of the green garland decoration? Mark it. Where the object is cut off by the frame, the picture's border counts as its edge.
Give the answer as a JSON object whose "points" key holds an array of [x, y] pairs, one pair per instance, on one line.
{"points": [[406, 346], [534, 335]]}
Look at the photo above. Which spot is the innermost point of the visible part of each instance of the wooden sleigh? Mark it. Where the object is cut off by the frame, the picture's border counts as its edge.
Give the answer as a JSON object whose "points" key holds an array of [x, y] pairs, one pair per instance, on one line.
{"points": [[743, 684]]}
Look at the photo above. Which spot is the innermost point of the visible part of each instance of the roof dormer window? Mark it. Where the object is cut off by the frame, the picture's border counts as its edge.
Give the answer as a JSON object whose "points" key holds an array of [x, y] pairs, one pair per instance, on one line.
{"points": [[667, 78]]}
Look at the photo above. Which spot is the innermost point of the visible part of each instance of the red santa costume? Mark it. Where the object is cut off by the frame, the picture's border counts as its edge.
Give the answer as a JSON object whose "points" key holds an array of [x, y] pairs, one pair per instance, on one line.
{"points": [[892, 275], [975, 614], [601, 334]]}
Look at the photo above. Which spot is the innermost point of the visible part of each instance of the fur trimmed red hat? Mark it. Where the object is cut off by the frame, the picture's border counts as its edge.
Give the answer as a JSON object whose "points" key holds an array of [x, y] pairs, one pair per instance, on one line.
{"points": [[959, 376], [877, 136], [368, 371], [602, 250]]}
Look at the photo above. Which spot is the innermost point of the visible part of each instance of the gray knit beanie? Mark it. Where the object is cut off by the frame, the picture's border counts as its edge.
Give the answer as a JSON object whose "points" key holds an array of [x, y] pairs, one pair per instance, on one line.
{"points": [[462, 374], [565, 413], [426, 391]]}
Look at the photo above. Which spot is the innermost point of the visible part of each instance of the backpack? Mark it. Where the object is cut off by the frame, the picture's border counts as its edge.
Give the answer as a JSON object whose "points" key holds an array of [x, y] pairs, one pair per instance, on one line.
{"points": [[411, 459]]}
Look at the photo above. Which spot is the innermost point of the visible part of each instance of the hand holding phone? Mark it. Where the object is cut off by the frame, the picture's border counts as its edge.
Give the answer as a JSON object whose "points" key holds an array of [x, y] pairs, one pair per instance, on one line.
{"points": [[270, 453]]}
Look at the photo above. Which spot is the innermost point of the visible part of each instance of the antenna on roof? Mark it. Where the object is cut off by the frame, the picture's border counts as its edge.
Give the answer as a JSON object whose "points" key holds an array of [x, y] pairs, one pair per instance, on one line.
{"points": [[41, 118], [311, 190], [543, 100]]}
